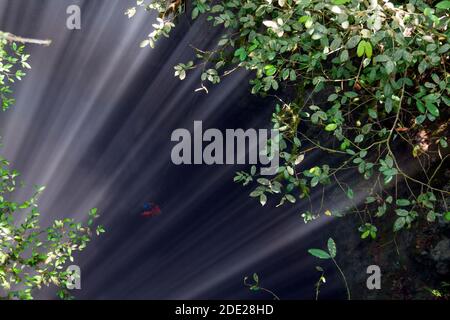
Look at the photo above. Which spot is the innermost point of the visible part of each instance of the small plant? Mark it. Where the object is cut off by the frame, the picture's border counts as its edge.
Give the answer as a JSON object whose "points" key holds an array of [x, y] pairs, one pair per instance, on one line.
{"points": [[330, 254], [308, 217], [442, 293], [320, 281], [255, 286], [367, 230]]}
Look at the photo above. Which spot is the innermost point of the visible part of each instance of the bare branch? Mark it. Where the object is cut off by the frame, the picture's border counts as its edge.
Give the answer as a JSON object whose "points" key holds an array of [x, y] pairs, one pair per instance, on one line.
{"points": [[13, 38]]}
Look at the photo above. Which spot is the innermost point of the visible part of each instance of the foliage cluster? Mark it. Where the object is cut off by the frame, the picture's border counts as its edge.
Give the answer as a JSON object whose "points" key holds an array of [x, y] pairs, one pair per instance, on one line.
{"points": [[13, 63], [31, 256], [382, 67]]}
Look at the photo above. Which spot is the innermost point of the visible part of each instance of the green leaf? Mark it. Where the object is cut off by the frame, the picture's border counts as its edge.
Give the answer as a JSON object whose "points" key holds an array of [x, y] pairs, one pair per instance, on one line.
{"points": [[350, 193], [432, 109], [318, 253], [401, 212], [195, 13], [381, 210], [420, 119], [443, 5], [447, 216], [372, 113], [388, 105], [399, 223], [255, 193], [93, 211], [422, 66], [370, 200], [144, 43], [389, 161], [359, 138], [332, 97], [344, 56], [361, 48], [303, 19], [381, 58], [339, 2], [331, 127], [353, 41], [402, 202], [368, 49], [331, 247], [241, 53], [222, 42], [263, 181], [309, 22], [263, 199], [351, 94], [290, 198], [270, 70], [431, 216], [315, 181], [390, 66]]}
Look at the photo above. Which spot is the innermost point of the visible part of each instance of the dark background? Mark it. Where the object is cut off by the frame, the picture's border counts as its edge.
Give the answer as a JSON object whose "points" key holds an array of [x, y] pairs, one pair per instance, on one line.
{"points": [[93, 121]]}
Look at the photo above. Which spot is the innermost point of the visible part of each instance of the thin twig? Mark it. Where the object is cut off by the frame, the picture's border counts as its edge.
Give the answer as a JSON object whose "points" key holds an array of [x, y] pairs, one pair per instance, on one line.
{"points": [[13, 38]]}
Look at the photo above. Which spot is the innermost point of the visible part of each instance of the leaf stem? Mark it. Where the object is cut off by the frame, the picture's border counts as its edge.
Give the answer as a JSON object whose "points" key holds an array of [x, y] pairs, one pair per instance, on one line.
{"points": [[344, 278]]}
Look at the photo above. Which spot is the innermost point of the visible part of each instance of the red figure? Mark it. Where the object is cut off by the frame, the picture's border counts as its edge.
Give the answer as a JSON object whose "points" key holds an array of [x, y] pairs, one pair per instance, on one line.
{"points": [[151, 210]]}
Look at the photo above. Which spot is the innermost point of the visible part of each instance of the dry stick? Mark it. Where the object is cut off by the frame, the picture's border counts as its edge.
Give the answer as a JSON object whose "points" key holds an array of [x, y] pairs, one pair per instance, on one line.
{"points": [[13, 38]]}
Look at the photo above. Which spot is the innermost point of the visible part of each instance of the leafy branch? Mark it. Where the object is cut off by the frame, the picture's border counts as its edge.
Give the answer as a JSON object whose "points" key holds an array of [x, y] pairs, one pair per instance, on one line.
{"points": [[255, 286]]}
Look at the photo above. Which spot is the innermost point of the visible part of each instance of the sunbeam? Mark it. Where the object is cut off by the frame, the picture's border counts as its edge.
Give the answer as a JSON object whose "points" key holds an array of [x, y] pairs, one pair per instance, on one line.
{"points": [[93, 122]]}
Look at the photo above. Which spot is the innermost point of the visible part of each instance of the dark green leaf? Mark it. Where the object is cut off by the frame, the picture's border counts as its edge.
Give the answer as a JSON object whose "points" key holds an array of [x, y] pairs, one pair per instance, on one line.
{"points": [[318, 253]]}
